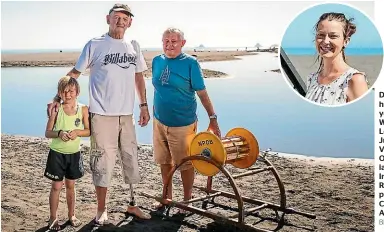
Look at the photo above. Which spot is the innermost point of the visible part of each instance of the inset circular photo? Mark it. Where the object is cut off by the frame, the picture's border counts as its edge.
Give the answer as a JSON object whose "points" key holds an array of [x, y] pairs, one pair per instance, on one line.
{"points": [[331, 54]]}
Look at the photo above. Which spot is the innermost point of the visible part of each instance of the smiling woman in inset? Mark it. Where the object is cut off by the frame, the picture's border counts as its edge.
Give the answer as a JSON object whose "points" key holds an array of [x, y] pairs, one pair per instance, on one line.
{"points": [[335, 82]]}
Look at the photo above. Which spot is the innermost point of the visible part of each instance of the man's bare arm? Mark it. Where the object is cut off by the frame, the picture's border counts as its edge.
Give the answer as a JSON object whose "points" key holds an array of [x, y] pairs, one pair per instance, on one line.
{"points": [[204, 98], [140, 87], [74, 73], [213, 124], [142, 95]]}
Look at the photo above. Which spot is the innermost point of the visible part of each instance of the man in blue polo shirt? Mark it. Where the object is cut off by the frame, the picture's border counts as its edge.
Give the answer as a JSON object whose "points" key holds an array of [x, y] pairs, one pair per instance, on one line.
{"points": [[176, 78]]}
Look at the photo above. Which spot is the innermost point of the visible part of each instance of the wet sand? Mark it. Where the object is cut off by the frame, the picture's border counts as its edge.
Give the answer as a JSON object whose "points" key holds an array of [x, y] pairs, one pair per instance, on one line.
{"points": [[340, 192], [68, 59]]}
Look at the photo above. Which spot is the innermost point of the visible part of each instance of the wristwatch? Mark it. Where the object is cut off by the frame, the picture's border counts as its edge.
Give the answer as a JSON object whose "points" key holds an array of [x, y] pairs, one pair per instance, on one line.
{"points": [[213, 116], [143, 104]]}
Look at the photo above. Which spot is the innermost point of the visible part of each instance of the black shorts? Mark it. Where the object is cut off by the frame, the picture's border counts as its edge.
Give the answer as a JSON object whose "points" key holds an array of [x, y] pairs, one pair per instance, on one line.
{"points": [[61, 165]]}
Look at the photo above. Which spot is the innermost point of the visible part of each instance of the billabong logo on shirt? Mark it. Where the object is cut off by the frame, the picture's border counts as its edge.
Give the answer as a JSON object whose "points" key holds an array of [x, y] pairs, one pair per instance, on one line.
{"points": [[123, 61]]}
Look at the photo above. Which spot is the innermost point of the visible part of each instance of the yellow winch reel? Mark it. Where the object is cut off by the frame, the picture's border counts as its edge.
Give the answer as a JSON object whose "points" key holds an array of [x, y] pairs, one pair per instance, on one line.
{"points": [[239, 147]]}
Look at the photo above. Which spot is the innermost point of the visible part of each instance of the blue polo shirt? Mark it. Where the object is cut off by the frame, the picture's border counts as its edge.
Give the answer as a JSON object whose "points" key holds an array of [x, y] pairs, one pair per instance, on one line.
{"points": [[175, 81]]}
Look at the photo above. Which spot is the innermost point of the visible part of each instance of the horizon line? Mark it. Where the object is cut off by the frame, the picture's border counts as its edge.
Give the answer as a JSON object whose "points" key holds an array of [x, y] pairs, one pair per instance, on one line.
{"points": [[8, 49], [197, 47]]}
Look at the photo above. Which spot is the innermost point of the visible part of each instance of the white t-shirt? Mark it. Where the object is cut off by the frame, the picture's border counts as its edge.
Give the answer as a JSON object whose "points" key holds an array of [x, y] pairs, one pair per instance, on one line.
{"points": [[112, 64]]}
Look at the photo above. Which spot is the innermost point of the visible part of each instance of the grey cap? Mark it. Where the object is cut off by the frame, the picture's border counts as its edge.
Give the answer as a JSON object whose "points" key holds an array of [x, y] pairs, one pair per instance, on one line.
{"points": [[121, 8]]}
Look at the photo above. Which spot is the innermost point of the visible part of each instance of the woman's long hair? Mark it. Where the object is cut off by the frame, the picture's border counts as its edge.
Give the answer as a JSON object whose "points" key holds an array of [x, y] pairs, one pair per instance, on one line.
{"points": [[348, 26]]}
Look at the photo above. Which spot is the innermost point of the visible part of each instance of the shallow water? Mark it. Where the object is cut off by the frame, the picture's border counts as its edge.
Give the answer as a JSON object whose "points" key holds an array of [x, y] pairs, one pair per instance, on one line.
{"points": [[253, 97]]}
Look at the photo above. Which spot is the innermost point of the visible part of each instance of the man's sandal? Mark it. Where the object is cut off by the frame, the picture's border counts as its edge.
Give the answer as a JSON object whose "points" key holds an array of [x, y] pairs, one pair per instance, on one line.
{"points": [[54, 225]]}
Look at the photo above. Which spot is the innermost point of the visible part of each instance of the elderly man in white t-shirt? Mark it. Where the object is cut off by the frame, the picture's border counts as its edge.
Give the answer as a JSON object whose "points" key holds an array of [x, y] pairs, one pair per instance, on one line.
{"points": [[116, 68]]}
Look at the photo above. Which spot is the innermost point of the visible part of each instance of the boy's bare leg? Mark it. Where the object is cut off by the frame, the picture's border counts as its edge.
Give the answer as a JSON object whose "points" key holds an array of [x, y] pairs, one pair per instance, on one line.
{"points": [[71, 197], [54, 199], [71, 200]]}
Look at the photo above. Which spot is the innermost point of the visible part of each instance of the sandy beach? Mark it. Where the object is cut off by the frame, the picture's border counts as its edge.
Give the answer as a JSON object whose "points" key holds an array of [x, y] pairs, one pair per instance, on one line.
{"points": [[340, 192], [69, 59], [371, 65]]}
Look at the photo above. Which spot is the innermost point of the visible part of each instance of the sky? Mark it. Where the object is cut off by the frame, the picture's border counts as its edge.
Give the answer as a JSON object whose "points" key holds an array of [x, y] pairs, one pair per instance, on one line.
{"points": [[303, 25], [69, 25]]}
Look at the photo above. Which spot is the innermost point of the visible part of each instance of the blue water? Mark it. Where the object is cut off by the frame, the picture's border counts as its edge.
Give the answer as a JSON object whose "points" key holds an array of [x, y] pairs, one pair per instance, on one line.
{"points": [[259, 101], [348, 51]]}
